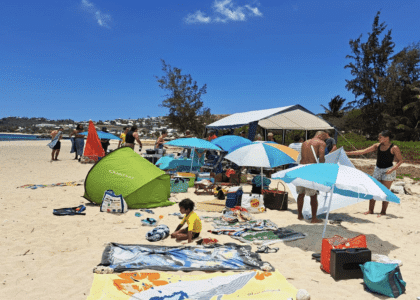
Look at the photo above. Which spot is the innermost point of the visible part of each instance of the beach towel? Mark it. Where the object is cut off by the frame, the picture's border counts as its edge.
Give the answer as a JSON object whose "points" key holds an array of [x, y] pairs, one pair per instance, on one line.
{"points": [[35, 186], [55, 140], [80, 145], [121, 258], [162, 285], [223, 227], [73, 145], [279, 235]]}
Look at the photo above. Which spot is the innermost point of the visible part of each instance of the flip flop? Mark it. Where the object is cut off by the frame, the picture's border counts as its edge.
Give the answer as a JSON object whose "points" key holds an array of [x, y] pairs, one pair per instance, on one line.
{"points": [[266, 249]]}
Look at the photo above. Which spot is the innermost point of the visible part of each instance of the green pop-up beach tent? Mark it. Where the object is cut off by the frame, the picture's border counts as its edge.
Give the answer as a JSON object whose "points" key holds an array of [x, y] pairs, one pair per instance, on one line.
{"points": [[142, 184]]}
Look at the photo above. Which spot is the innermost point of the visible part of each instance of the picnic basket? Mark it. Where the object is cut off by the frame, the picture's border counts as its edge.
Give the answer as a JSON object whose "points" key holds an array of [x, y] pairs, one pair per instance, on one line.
{"points": [[275, 199]]}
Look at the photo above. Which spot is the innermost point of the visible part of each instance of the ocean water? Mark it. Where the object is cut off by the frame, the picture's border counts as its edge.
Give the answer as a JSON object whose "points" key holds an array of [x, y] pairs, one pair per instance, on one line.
{"points": [[19, 137]]}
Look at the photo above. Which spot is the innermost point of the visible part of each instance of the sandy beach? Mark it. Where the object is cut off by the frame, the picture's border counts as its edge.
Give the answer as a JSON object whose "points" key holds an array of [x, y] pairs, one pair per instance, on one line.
{"points": [[52, 257]]}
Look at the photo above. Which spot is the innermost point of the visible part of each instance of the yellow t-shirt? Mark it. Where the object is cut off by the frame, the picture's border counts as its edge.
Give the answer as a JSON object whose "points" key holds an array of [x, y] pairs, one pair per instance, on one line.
{"points": [[193, 221], [122, 137]]}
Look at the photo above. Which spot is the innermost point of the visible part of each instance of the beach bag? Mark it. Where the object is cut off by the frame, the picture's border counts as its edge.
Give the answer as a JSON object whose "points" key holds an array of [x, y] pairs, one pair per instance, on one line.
{"points": [[338, 242], [275, 199], [233, 196], [253, 203], [384, 279], [179, 185], [112, 203]]}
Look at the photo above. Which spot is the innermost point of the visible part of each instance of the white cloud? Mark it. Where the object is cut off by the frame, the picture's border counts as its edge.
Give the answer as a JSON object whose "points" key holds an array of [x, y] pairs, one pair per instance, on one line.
{"points": [[223, 11], [197, 17], [102, 19]]}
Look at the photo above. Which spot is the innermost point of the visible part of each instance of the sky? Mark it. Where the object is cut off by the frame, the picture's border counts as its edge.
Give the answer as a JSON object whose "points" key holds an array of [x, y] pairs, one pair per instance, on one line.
{"points": [[98, 59]]}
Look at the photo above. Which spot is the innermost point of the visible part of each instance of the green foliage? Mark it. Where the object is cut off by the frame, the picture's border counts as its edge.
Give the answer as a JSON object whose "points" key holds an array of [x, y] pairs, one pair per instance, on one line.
{"points": [[401, 89], [410, 150], [336, 109], [368, 67], [186, 109]]}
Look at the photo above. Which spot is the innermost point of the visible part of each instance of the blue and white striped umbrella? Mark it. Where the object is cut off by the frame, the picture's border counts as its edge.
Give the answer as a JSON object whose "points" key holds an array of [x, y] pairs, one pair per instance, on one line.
{"points": [[338, 179], [259, 155]]}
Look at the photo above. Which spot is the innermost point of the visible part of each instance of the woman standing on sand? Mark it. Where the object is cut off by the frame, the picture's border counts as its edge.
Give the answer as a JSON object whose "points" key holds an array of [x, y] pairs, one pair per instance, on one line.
{"points": [[385, 172], [79, 141]]}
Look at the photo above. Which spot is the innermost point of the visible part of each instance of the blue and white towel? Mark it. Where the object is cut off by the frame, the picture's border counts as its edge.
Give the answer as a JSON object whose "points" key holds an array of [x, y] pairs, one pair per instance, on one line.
{"points": [[54, 140]]}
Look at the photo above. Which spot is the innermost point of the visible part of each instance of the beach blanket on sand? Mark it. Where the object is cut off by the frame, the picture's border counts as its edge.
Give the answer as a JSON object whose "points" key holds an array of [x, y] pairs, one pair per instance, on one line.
{"points": [[177, 286], [35, 186], [279, 235], [120, 258], [255, 230], [55, 140]]}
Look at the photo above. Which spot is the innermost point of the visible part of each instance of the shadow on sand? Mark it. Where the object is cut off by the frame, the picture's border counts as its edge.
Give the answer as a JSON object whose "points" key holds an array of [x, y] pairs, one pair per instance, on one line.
{"points": [[312, 242]]}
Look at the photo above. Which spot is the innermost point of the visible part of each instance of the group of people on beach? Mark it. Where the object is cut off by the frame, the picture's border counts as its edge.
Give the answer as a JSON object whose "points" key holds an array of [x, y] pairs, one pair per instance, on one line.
{"points": [[315, 149], [310, 151]]}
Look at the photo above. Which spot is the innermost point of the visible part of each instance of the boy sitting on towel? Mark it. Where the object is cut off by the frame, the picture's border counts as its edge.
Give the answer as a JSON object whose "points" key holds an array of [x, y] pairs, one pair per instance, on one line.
{"points": [[186, 207]]}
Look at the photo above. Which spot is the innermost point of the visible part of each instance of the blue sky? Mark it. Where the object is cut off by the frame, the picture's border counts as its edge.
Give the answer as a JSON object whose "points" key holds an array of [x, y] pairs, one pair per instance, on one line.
{"points": [[96, 59]]}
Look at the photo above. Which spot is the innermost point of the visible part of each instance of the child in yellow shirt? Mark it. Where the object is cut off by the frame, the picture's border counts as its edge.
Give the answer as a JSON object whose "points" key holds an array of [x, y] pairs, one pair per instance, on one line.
{"points": [[186, 207]]}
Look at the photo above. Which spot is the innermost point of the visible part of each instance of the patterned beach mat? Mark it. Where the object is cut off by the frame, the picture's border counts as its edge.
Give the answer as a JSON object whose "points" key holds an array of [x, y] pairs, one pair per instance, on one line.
{"points": [[162, 285], [35, 186]]}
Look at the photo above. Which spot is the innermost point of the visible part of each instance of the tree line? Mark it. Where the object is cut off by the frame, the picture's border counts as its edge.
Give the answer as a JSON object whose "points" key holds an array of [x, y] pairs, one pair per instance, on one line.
{"points": [[386, 86]]}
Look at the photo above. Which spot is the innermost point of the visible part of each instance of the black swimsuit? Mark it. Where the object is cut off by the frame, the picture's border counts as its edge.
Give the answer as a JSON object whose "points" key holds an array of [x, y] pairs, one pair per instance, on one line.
{"points": [[385, 158]]}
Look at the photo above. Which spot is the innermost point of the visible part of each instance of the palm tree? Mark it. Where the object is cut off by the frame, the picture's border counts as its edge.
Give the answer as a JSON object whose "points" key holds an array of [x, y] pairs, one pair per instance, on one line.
{"points": [[336, 108]]}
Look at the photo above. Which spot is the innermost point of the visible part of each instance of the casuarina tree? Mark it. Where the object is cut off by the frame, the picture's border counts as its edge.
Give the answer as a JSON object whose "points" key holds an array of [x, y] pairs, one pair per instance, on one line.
{"points": [[368, 67], [401, 91], [186, 110]]}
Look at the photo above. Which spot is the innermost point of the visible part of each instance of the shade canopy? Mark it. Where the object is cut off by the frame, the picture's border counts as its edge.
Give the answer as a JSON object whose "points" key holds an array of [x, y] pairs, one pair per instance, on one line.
{"points": [[193, 143], [325, 176], [230, 143], [294, 117], [103, 135]]}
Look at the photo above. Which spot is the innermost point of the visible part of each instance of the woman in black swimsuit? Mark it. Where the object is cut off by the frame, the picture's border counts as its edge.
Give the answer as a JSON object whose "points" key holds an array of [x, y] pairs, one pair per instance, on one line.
{"points": [[385, 171]]}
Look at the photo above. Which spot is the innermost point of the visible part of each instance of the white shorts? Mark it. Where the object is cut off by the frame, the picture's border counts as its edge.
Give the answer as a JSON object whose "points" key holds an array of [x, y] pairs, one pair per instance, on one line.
{"points": [[307, 191], [380, 174]]}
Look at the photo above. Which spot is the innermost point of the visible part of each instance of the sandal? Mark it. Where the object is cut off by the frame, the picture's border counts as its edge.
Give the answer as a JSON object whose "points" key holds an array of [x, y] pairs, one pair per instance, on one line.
{"points": [[266, 249], [148, 222]]}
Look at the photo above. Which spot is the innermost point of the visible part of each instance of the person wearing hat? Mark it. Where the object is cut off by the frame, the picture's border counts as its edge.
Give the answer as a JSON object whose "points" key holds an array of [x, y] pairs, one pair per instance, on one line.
{"points": [[105, 142], [270, 137], [211, 136], [187, 134]]}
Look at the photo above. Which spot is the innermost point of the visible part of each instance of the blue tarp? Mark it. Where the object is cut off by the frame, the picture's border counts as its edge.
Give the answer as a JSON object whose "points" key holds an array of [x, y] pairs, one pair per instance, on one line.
{"points": [[230, 256]]}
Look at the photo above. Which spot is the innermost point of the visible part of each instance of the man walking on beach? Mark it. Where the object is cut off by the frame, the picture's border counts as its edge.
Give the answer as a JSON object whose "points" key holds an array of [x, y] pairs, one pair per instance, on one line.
{"points": [[55, 144], [313, 151]]}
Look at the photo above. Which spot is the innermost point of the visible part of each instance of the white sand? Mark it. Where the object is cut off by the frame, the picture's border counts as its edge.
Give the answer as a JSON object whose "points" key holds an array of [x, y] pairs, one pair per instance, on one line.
{"points": [[51, 257]]}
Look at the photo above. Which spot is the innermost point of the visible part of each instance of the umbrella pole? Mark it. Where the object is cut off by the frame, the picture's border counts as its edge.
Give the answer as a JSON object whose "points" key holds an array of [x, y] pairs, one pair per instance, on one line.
{"points": [[192, 160], [328, 212], [262, 179]]}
